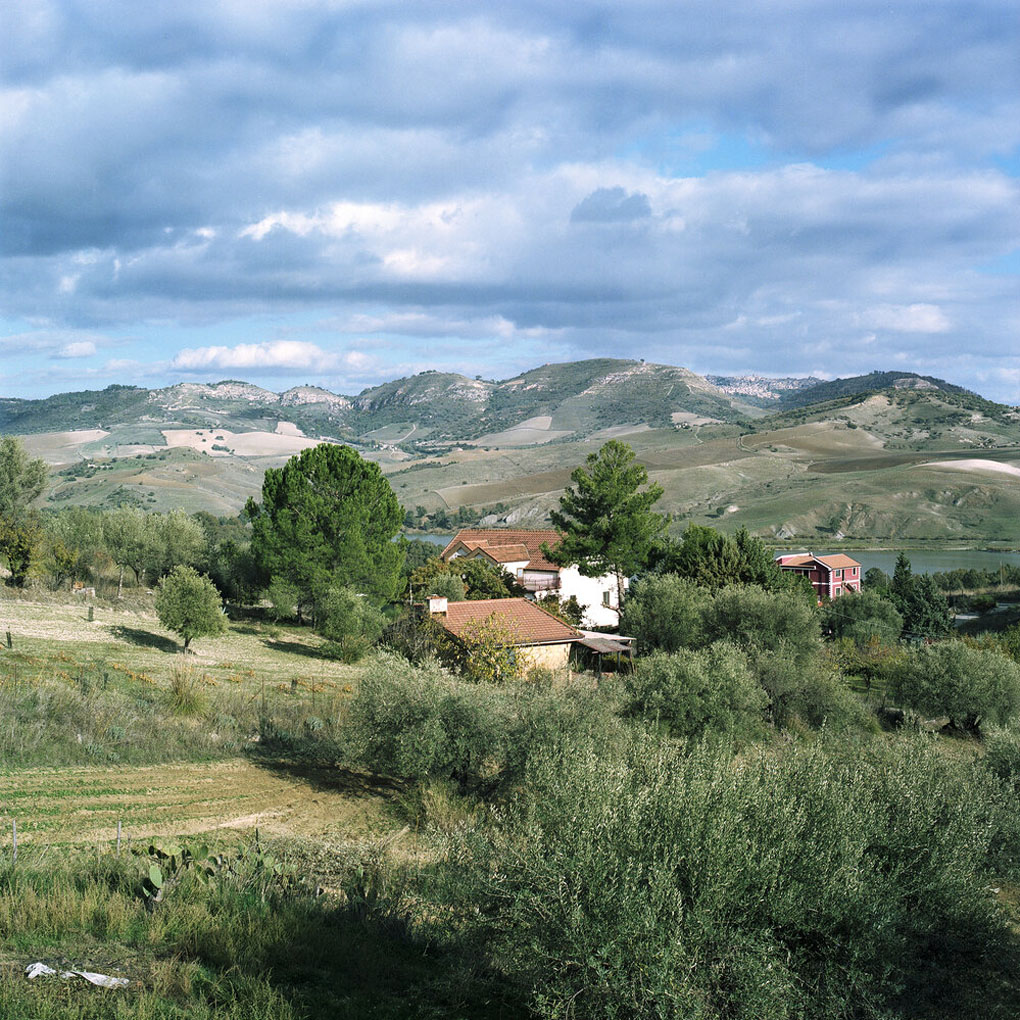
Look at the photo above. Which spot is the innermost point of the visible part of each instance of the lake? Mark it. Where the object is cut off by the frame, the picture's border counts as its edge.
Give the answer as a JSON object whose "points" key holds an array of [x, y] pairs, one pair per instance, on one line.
{"points": [[922, 561]]}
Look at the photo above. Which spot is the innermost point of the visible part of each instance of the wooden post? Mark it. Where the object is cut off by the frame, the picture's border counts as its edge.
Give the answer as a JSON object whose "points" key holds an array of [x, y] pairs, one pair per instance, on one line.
{"points": [[92, 613], [10, 643]]}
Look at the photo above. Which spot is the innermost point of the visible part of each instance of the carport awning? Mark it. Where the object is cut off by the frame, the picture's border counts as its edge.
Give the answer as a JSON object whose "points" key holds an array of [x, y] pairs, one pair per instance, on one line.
{"points": [[603, 645]]}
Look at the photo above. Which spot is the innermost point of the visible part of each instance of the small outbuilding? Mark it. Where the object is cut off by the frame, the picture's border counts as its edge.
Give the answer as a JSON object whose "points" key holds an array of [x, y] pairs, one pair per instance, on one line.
{"points": [[540, 638]]}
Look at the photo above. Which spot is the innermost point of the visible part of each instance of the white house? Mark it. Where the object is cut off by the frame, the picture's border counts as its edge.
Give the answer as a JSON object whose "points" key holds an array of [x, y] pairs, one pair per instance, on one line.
{"points": [[519, 552]]}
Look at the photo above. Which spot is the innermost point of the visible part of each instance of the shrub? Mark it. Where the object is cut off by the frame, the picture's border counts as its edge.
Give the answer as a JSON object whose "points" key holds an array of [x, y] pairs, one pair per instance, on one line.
{"points": [[694, 691], [284, 599], [349, 623], [972, 686], [664, 613], [419, 723], [686, 883], [186, 697], [417, 638], [486, 653], [760, 621], [862, 617]]}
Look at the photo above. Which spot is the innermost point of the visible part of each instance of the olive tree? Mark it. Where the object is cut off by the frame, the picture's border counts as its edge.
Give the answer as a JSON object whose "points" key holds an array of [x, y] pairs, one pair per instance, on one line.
{"points": [[188, 603], [972, 686]]}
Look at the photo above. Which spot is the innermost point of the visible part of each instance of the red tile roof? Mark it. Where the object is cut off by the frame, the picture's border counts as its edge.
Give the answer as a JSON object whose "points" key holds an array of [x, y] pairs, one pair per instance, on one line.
{"points": [[833, 562], [838, 560], [492, 538], [505, 553], [530, 624]]}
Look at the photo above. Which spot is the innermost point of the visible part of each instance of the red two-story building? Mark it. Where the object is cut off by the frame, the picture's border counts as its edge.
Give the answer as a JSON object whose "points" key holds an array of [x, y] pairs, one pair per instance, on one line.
{"points": [[831, 576]]}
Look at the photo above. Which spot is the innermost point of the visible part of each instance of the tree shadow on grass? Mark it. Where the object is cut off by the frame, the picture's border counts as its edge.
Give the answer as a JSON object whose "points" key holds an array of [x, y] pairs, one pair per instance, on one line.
{"points": [[371, 959], [145, 639], [297, 648], [323, 773]]}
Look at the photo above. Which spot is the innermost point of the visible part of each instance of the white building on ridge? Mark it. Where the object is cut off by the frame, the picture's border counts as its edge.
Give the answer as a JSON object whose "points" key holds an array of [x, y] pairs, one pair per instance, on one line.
{"points": [[519, 552]]}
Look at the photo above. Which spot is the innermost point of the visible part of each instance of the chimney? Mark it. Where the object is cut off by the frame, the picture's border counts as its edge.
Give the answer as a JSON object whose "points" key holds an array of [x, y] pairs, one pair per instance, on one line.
{"points": [[437, 605]]}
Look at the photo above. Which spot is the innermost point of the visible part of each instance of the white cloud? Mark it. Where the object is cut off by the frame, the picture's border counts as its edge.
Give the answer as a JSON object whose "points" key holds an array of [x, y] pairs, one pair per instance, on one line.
{"points": [[285, 355], [918, 318], [78, 349]]}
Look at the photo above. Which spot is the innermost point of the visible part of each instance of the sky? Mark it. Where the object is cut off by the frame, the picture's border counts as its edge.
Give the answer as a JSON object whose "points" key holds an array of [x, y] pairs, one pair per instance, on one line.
{"points": [[349, 191]]}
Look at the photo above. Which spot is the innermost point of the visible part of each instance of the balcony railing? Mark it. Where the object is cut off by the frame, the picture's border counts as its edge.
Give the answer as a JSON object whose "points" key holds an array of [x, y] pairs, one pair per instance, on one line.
{"points": [[537, 584]]}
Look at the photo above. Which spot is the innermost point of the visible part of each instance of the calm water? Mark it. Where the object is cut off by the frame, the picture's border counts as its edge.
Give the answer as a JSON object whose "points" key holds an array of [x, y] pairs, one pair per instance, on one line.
{"points": [[440, 540], [922, 562]]}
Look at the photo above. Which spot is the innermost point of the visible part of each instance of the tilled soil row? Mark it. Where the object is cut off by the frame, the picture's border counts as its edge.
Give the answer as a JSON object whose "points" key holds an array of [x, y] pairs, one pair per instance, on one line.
{"points": [[83, 805]]}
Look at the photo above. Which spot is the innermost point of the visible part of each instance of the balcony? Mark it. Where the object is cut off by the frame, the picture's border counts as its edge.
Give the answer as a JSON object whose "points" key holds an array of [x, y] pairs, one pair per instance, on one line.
{"points": [[534, 585]]}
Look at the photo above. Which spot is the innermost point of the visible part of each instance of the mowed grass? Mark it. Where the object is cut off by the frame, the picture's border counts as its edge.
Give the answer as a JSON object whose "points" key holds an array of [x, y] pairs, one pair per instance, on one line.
{"points": [[83, 805], [56, 637]]}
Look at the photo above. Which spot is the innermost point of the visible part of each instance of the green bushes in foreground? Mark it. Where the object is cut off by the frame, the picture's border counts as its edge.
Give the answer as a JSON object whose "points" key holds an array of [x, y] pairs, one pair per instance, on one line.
{"points": [[818, 882], [419, 723]]}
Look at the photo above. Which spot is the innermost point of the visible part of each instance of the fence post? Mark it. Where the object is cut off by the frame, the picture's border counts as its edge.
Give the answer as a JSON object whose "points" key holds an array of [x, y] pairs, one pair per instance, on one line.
{"points": [[92, 613], [10, 643]]}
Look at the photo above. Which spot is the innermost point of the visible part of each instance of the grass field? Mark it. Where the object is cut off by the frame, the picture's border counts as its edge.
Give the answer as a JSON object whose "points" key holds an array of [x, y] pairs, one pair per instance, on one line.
{"points": [[93, 733]]}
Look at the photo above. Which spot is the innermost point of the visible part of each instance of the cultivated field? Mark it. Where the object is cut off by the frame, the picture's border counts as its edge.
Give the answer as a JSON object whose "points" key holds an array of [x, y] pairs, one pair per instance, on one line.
{"points": [[99, 738]]}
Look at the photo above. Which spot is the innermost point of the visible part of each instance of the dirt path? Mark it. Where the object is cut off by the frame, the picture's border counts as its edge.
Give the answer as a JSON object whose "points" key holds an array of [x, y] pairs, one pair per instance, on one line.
{"points": [[83, 805]]}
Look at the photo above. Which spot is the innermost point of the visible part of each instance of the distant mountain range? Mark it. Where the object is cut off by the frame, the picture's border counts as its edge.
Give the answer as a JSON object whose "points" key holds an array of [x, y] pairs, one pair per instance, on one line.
{"points": [[880, 458], [579, 397]]}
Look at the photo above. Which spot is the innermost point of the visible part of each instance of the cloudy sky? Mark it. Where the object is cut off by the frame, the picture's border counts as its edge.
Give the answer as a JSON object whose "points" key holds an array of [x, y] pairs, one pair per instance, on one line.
{"points": [[345, 191]]}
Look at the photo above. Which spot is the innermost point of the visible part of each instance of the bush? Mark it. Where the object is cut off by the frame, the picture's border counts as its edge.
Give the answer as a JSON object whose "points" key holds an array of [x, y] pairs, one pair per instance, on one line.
{"points": [[664, 613], [862, 617], [419, 723], [694, 691], [972, 686], [809, 693], [761, 621], [1002, 757], [349, 623], [186, 697], [188, 603], [805, 884]]}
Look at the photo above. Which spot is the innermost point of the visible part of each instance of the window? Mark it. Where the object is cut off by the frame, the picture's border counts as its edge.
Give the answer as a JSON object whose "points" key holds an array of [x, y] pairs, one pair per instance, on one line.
{"points": [[605, 597], [839, 573]]}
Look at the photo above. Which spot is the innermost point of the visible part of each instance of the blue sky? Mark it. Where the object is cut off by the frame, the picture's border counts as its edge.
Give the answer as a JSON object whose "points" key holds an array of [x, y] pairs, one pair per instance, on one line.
{"points": [[343, 192]]}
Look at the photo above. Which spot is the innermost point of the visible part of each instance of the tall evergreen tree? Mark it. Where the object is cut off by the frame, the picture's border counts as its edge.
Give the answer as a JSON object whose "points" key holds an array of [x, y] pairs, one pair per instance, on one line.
{"points": [[606, 518], [328, 517]]}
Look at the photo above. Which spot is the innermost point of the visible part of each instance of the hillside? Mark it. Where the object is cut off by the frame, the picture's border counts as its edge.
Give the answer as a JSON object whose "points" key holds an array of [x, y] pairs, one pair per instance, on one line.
{"points": [[578, 397], [865, 384], [762, 390], [916, 460]]}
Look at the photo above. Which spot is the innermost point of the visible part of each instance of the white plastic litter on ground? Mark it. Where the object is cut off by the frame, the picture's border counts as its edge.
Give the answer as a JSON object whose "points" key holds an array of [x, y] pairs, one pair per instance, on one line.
{"points": [[34, 970]]}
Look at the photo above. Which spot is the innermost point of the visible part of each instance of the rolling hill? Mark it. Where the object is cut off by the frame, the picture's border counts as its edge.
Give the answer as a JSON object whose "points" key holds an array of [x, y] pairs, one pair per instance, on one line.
{"points": [[883, 458]]}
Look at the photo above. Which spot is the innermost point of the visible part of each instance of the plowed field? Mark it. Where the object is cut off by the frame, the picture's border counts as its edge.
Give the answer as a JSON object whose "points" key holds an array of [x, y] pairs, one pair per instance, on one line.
{"points": [[83, 805]]}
